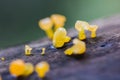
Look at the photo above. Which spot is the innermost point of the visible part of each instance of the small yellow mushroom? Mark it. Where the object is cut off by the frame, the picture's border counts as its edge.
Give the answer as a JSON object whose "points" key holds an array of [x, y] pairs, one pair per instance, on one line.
{"points": [[79, 47], [27, 50], [81, 26], [42, 69], [46, 24], [2, 58], [43, 51], [17, 67], [60, 37], [28, 69], [93, 29], [59, 20]]}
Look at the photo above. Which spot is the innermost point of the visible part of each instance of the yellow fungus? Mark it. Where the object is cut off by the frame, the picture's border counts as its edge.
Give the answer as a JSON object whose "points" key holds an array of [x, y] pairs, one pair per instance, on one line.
{"points": [[43, 51], [46, 24], [60, 37], [17, 67], [42, 68], [58, 20], [79, 47], [93, 29], [28, 69], [27, 50], [81, 26], [2, 58]]}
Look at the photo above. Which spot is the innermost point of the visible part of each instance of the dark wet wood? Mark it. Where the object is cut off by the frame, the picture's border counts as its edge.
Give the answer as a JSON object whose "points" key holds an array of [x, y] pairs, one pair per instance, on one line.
{"points": [[100, 62]]}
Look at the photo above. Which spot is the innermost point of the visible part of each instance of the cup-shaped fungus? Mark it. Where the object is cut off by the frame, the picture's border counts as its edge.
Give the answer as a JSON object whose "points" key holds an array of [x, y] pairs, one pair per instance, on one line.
{"points": [[42, 69], [17, 67], [58, 20], [60, 37], [81, 26], [46, 24], [28, 69], [93, 29], [43, 51], [27, 50], [79, 47]]}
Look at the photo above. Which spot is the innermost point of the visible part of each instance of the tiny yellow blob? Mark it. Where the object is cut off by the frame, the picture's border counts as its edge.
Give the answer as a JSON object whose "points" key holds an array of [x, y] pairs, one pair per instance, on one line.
{"points": [[17, 67], [60, 37], [27, 50], [58, 20], [29, 68], [81, 26], [46, 24], [2, 58], [79, 47], [93, 29], [43, 51], [42, 69]]}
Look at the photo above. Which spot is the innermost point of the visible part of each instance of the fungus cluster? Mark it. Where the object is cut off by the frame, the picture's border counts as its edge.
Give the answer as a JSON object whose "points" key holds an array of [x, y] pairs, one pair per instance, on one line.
{"points": [[20, 68], [59, 37], [47, 24], [79, 47]]}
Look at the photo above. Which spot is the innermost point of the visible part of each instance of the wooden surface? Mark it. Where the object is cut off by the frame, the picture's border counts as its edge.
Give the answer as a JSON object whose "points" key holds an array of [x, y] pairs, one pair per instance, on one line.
{"points": [[100, 62]]}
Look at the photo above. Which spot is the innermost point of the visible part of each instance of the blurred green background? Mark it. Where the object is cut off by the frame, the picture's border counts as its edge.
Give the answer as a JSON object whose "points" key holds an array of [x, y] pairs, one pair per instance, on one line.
{"points": [[19, 18]]}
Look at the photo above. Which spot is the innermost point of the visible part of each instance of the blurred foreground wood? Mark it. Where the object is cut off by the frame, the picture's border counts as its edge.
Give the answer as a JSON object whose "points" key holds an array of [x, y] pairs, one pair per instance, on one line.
{"points": [[100, 62]]}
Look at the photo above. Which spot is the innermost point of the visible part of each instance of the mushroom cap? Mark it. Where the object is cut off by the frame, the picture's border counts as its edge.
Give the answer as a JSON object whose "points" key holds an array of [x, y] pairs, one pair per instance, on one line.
{"points": [[80, 25], [17, 67], [58, 19], [79, 46], [93, 27], [45, 24], [60, 34], [42, 68], [59, 37], [28, 69]]}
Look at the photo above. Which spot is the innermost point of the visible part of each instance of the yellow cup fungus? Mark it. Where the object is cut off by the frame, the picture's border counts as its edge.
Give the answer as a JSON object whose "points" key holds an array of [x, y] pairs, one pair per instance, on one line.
{"points": [[60, 37], [42, 68], [79, 47], [29, 68], [27, 50], [93, 29], [46, 24], [43, 51], [58, 20], [17, 67], [2, 58], [80, 26], [20, 68]]}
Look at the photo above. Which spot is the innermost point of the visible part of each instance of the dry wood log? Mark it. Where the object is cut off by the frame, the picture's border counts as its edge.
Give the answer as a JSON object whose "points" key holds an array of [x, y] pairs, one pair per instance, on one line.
{"points": [[100, 62]]}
